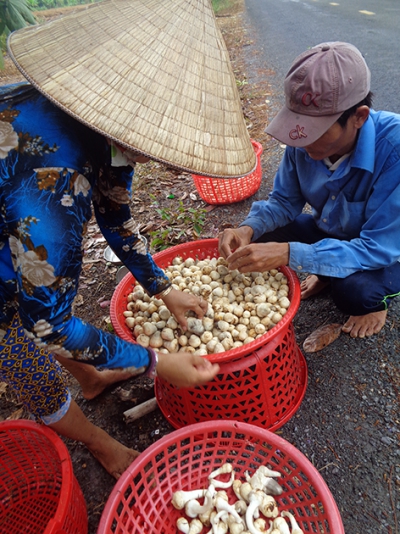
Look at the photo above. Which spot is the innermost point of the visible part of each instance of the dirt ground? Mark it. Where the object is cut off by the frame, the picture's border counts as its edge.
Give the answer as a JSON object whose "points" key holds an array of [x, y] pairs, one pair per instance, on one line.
{"points": [[348, 424]]}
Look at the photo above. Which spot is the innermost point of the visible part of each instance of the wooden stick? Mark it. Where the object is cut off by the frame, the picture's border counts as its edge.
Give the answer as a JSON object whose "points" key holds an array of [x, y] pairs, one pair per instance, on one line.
{"points": [[139, 411]]}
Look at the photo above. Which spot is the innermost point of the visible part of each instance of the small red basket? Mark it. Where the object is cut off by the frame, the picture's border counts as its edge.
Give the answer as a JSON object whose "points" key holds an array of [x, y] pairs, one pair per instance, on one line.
{"points": [[38, 489], [262, 382], [230, 190], [140, 503]]}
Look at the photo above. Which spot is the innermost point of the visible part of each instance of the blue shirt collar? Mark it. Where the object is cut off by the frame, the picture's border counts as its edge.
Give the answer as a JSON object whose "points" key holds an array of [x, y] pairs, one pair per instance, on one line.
{"points": [[363, 156]]}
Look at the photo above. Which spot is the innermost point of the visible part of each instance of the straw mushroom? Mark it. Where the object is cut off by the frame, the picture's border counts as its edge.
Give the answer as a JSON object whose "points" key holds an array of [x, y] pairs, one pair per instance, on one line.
{"points": [[295, 526], [195, 526], [256, 302], [193, 508], [180, 497], [281, 525], [255, 501], [263, 480], [223, 505], [182, 524]]}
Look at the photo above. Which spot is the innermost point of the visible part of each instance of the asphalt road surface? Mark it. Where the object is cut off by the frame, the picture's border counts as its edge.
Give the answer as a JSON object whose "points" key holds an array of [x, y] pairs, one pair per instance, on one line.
{"points": [[348, 424], [285, 28]]}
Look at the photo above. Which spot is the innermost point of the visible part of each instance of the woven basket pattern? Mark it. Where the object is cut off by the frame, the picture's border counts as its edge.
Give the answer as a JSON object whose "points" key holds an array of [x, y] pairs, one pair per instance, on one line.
{"points": [[154, 76], [38, 490], [218, 191], [262, 382], [140, 503]]}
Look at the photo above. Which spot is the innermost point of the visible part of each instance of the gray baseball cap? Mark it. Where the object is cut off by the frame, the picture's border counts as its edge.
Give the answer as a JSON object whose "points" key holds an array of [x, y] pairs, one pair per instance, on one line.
{"points": [[322, 83]]}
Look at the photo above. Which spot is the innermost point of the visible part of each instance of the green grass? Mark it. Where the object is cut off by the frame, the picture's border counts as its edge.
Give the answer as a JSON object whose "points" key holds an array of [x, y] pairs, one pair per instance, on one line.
{"points": [[220, 5]]}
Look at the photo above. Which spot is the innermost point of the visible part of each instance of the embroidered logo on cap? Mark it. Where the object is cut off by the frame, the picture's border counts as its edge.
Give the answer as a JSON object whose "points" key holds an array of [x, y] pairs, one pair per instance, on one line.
{"points": [[309, 98], [297, 133]]}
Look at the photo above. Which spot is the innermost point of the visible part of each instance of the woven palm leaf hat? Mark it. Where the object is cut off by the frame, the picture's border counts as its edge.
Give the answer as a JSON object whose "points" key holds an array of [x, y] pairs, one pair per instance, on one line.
{"points": [[153, 75]]}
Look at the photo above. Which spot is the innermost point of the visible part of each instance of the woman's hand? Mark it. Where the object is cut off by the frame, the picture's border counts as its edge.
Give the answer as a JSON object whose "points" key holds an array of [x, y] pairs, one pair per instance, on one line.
{"points": [[259, 257], [179, 303], [234, 238], [185, 370]]}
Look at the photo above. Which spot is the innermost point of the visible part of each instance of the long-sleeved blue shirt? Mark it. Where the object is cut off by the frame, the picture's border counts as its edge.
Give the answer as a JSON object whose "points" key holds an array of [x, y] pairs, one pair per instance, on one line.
{"points": [[52, 170], [358, 204]]}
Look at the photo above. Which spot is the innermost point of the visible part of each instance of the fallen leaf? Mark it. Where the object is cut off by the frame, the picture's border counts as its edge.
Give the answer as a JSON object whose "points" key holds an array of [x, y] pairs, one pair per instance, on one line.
{"points": [[210, 207], [16, 415], [322, 337], [79, 300], [3, 387]]}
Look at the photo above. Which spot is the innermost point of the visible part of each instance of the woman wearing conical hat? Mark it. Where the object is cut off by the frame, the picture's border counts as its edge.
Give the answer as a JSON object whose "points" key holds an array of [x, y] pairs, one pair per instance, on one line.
{"points": [[108, 87]]}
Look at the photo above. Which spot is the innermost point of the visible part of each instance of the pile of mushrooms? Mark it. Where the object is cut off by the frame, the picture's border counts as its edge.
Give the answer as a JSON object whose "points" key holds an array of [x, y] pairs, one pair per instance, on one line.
{"points": [[242, 307], [254, 510]]}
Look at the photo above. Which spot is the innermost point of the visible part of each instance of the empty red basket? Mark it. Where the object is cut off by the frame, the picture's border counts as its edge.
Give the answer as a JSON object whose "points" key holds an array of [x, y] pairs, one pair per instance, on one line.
{"points": [[230, 190], [262, 383], [38, 490], [140, 503]]}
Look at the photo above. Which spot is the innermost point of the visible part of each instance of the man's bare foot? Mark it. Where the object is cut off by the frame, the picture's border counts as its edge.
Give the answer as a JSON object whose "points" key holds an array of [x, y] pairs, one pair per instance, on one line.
{"points": [[96, 383], [365, 325], [312, 285]]}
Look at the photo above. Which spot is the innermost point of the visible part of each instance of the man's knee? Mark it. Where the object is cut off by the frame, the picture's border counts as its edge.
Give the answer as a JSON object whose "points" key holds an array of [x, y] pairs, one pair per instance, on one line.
{"points": [[353, 296]]}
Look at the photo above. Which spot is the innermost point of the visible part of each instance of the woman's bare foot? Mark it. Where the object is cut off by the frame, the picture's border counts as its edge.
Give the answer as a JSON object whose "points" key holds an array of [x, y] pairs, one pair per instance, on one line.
{"points": [[92, 381], [97, 383], [113, 456], [312, 285], [365, 325]]}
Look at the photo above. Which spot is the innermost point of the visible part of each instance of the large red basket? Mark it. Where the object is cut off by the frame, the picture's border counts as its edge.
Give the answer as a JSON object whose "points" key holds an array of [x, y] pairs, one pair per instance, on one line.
{"points": [[140, 503], [261, 383], [230, 190], [38, 489]]}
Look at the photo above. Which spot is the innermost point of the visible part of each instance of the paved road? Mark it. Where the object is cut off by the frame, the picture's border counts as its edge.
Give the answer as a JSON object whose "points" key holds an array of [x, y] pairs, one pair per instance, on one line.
{"points": [[348, 423], [285, 28]]}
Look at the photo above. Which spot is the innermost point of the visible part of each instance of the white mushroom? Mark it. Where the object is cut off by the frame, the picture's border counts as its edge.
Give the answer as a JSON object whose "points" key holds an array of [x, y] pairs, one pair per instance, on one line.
{"points": [[236, 488], [182, 524], [245, 490], [193, 508], [222, 505], [180, 497], [268, 507], [235, 527], [260, 524], [295, 526], [240, 506], [224, 468], [255, 501], [281, 525], [195, 526], [223, 485], [262, 480], [219, 525]]}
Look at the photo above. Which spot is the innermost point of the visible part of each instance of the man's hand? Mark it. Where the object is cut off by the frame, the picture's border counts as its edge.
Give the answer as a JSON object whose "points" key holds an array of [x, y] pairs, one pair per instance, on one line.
{"points": [[185, 370], [234, 238], [259, 257]]}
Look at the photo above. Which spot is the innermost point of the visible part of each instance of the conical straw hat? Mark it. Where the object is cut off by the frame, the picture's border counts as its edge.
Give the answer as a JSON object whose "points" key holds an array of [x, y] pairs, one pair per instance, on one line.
{"points": [[153, 75]]}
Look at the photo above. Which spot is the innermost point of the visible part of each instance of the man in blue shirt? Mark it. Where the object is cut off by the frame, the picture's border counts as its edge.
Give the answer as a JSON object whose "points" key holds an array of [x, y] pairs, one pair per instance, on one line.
{"points": [[342, 160]]}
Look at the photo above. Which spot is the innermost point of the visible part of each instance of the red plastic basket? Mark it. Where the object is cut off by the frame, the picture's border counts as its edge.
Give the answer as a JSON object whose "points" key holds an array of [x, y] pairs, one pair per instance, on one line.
{"points": [[230, 190], [262, 382], [140, 503], [38, 489]]}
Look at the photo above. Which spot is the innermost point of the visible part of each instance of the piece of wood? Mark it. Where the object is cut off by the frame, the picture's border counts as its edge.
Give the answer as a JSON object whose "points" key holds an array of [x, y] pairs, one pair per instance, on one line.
{"points": [[139, 411]]}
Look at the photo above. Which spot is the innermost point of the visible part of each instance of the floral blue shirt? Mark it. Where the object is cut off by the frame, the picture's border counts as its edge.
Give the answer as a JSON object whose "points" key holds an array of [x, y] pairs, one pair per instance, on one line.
{"points": [[358, 204], [52, 170]]}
